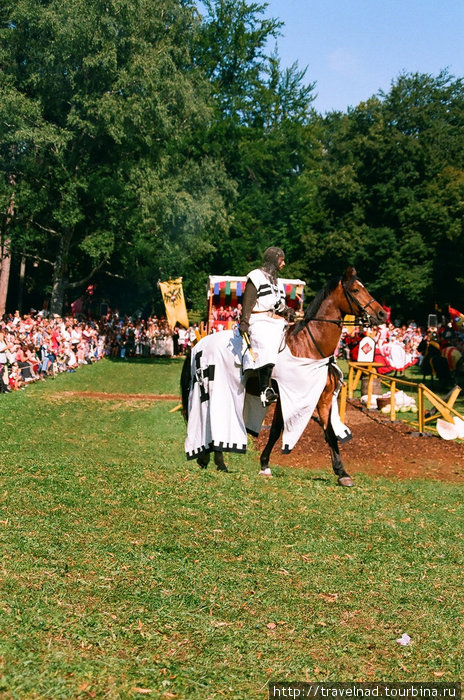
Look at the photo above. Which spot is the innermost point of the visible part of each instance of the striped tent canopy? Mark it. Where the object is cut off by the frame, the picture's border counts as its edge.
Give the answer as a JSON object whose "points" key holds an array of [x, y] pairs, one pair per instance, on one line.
{"points": [[224, 290]]}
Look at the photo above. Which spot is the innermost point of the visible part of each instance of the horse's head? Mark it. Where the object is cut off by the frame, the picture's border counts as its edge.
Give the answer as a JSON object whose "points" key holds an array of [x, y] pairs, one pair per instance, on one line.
{"points": [[359, 303]]}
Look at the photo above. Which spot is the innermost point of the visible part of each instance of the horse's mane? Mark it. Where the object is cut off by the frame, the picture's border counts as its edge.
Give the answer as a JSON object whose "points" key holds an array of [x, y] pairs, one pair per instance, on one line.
{"points": [[315, 305]]}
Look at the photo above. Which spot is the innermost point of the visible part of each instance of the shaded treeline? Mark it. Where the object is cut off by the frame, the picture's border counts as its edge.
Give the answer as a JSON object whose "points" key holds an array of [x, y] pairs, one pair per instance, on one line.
{"points": [[141, 142]]}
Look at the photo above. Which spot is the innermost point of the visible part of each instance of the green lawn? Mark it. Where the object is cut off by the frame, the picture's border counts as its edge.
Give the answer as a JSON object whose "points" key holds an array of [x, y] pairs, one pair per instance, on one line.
{"points": [[126, 569]]}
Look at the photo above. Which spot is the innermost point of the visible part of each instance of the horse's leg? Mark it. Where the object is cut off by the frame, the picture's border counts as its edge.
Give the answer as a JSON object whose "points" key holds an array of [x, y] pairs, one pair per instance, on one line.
{"points": [[324, 408], [274, 434], [204, 457], [444, 375], [203, 460], [219, 461]]}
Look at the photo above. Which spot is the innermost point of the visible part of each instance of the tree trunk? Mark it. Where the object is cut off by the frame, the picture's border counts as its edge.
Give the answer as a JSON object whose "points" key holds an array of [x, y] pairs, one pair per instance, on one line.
{"points": [[5, 255], [5, 262], [22, 277], [60, 277]]}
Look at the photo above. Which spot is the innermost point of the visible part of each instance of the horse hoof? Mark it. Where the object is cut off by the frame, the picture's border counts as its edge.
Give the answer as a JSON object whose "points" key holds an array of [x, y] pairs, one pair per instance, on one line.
{"points": [[266, 472], [345, 481], [222, 468]]}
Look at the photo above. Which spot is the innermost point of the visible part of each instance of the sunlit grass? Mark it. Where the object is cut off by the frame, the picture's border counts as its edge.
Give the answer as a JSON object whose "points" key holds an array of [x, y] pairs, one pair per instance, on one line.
{"points": [[127, 569]]}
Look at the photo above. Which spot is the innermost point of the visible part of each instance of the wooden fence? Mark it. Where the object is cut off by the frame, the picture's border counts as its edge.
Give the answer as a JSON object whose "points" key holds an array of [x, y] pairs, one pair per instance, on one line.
{"points": [[441, 408]]}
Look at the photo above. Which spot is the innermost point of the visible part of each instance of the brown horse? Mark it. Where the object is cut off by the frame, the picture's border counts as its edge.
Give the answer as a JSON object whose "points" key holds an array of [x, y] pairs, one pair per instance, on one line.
{"points": [[315, 337]]}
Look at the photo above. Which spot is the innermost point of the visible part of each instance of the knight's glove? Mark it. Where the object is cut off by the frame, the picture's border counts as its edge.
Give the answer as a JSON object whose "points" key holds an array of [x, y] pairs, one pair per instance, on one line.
{"points": [[289, 314], [243, 327]]}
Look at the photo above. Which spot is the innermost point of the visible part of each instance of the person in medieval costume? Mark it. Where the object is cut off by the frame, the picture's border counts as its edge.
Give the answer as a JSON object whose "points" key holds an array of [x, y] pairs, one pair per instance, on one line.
{"points": [[264, 320]]}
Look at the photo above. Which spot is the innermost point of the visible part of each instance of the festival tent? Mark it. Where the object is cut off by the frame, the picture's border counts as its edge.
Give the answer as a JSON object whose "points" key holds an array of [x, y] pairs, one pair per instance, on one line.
{"points": [[225, 291]]}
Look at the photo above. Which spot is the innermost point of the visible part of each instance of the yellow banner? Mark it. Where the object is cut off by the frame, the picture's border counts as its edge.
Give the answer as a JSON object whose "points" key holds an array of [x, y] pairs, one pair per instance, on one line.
{"points": [[174, 302]]}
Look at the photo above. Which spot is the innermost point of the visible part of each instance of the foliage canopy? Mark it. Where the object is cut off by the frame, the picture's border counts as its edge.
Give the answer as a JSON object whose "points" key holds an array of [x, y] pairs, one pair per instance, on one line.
{"points": [[139, 144]]}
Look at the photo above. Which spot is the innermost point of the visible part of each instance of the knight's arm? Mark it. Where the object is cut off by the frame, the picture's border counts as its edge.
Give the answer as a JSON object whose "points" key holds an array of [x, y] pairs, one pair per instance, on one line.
{"points": [[250, 297], [284, 310]]}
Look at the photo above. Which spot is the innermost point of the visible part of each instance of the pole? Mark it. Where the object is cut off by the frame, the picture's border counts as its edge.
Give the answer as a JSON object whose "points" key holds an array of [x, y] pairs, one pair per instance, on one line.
{"points": [[210, 308]]}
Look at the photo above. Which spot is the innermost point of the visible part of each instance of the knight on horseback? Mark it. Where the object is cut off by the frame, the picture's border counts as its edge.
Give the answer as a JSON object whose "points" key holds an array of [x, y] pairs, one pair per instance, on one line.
{"points": [[221, 411], [264, 320]]}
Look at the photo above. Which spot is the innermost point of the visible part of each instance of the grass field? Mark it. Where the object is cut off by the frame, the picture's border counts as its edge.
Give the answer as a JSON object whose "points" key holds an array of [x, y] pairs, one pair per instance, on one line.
{"points": [[127, 571]]}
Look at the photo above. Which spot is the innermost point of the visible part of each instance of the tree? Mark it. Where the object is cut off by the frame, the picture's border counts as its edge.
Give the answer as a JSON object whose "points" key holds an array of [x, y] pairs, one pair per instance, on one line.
{"points": [[5, 253], [388, 192], [103, 103], [426, 113], [263, 129]]}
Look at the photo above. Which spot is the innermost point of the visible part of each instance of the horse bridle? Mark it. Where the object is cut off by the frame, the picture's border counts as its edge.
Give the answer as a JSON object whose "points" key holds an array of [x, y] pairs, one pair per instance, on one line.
{"points": [[362, 320]]}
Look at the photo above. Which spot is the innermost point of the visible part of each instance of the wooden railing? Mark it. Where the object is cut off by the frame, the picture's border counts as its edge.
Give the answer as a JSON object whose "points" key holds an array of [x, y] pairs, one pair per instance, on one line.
{"points": [[442, 408]]}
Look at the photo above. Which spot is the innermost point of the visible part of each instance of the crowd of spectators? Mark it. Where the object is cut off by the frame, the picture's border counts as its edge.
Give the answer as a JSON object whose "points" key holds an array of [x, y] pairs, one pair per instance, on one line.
{"points": [[400, 346], [224, 317], [35, 346], [138, 337], [226, 313]]}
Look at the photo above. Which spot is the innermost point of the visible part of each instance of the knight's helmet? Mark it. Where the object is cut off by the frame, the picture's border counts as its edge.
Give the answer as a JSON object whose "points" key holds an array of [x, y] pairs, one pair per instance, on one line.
{"points": [[271, 261]]}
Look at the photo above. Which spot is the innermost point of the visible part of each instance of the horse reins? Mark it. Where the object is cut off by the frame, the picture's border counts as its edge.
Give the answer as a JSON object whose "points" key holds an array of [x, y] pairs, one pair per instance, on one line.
{"points": [[364, 317], [358, 320]]}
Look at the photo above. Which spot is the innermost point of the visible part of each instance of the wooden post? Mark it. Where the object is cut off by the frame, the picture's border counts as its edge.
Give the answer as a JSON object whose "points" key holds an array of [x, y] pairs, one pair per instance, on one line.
{"points": [[350, 382], [392, 400], [369, 389], [421, 408], [357, 378], [210, 308], [342, 408]]}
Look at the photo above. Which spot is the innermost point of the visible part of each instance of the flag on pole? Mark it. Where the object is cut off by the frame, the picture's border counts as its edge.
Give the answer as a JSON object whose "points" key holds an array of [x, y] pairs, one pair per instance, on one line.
{"points": [[174, 302], [457, 317]]}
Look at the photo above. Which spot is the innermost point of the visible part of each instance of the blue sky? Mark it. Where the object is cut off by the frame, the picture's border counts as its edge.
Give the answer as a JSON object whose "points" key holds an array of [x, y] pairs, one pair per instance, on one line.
{"points": [[354, 48]]}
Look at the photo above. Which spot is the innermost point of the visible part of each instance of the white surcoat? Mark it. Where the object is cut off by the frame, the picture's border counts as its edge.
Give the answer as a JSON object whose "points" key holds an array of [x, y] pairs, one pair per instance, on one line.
{"points": [[266, 330]]}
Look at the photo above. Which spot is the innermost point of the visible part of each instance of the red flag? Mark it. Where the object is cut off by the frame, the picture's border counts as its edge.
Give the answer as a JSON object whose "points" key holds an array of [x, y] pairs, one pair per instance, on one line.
{"points": [[457, 317], [389, 312], [454, 312]]}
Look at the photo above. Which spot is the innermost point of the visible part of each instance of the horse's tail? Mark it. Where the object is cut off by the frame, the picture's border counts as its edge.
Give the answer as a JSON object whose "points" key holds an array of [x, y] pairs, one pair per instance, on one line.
{"points": [[185, 381]]}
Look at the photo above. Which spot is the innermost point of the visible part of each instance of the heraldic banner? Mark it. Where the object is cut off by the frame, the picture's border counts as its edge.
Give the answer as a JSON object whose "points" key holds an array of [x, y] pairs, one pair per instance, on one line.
{"points": [[174, 302]]}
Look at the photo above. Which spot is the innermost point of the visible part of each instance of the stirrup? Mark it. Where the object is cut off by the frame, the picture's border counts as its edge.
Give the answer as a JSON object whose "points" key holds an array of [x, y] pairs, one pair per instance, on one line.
{"points": [[268, 396]]}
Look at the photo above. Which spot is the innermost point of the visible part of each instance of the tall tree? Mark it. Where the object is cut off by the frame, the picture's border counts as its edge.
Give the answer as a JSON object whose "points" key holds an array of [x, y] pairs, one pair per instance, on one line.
{"points": [[5, 252], [102, 105], [262, 128], [388, 192]]}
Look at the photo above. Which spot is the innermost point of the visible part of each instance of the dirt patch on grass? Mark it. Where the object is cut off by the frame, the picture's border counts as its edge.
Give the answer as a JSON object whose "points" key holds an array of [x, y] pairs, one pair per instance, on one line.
{"points": [[378, 447], [118, 397]]}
